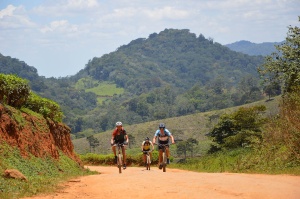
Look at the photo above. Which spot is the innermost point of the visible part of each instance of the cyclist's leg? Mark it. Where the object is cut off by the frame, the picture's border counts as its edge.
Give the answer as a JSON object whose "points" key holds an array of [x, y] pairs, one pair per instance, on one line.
{"points": [[167, 151], [160, 156], [114, 149], [168, 154], [144, 157]]}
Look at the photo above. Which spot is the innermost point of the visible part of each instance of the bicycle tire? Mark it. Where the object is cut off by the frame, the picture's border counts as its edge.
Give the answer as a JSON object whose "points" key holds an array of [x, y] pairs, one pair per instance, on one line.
{"points": [[164, 161], [120, 163], [148, 162]]}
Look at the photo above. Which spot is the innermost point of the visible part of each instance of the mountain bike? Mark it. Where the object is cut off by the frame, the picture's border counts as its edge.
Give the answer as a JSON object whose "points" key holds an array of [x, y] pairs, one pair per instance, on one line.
{"points": [[120, 156], [164, 156], [148, 159]]}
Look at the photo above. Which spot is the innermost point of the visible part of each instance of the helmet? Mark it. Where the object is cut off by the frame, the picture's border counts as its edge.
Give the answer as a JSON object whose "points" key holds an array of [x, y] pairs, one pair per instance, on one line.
{"points": [[119, 124], [147, 139], [162, 125]]}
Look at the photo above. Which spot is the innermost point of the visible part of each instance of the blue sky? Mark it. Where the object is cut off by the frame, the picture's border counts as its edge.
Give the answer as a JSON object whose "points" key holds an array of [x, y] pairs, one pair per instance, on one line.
{"points": [[59, 37]]}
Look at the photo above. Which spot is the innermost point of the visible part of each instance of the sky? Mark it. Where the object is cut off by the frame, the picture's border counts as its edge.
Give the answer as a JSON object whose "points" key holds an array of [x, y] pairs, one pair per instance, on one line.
{"points": [[59, 37]]}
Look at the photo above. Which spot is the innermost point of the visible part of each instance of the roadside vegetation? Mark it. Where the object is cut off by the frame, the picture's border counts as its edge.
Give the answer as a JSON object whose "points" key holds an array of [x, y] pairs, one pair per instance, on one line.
{"points": [[248, 140], [43, 174]]}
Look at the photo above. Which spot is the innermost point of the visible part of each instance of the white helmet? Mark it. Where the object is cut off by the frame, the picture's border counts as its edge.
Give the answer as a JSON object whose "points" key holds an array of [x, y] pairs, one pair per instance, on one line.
{"points": [[119, 124]]}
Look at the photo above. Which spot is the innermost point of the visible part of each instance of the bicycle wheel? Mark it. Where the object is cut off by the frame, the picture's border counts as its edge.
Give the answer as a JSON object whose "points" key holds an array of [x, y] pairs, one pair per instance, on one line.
{"points": [[120, 163], [148, 162], [164, 161]]}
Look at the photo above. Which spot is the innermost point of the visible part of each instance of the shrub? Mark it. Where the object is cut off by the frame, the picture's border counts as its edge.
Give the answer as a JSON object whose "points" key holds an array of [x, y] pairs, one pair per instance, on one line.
{"points": [[44, 106], [14, 91]]}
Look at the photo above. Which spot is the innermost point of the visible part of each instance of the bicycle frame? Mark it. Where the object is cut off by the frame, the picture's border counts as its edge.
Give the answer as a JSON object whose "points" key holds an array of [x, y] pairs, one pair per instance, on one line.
{"points": [[148, 160], [120, 157], [164, 156]]}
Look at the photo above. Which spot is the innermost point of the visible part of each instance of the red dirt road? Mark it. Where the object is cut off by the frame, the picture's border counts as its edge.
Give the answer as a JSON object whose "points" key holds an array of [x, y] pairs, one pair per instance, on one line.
{"points": [[137, 182]]}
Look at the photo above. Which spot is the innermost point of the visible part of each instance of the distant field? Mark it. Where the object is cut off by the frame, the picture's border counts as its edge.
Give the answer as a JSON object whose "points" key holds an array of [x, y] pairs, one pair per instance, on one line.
{"points": [[184, 127], [105, 91]]}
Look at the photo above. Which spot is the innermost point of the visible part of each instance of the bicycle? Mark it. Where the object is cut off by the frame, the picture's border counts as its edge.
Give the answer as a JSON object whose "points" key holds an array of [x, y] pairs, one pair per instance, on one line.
{"points": [[148, 159], [164, 156], [120, 156]]}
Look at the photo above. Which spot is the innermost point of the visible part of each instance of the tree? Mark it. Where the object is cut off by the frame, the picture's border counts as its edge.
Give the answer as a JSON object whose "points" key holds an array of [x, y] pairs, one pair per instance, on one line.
{"points": [[272, 90], [181, 148], [240, 128], [93, 142], [184, 146], [284, 65], [131, 140], [191, 142]]}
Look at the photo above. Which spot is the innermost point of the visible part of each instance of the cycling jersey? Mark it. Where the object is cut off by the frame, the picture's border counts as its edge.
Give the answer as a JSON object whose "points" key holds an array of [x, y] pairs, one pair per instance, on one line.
{"points": [[163, 138], [146, 145], [119, 137]]}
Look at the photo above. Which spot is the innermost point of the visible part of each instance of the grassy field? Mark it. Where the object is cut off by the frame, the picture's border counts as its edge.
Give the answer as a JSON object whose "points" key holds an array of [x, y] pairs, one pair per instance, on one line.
{"points": [[104, 91], [184, 127]]}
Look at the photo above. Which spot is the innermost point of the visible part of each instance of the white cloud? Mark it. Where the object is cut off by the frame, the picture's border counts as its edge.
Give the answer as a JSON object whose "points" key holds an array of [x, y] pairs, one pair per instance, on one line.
{"points": [[14, 17], [37, 31], [61, 26], [167, 12], [8, 11]]}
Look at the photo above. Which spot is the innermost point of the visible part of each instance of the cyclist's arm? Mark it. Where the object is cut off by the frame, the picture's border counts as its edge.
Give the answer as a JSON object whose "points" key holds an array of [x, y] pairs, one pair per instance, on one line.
{"points": [[172, 139], [154, 139], [143, 145], [112, 139], [127, 139], [152, 146]]}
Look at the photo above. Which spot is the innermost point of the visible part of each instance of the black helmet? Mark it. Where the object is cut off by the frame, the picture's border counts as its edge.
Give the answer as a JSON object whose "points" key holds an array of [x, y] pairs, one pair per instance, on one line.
{"points": [[147, 139], [162, 125]]}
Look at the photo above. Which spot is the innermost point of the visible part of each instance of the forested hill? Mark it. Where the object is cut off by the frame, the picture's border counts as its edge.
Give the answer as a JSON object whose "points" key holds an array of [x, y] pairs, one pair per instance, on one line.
{"points": [[247, 47], [174, 57], [168, 74]]}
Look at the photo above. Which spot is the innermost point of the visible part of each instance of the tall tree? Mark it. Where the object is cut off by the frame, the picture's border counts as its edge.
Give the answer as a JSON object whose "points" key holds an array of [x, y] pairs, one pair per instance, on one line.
{"points": [[284, 65]]}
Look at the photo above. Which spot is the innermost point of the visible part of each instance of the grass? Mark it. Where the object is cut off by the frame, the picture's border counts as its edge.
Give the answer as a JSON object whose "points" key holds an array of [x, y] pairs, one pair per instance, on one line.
{"points": [[239, 161], [277, 153], [43, 174], [184, 127]]}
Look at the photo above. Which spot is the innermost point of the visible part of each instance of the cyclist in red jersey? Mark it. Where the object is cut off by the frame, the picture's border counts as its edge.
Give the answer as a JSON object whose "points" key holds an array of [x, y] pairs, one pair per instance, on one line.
{"points": [[119, 136]]}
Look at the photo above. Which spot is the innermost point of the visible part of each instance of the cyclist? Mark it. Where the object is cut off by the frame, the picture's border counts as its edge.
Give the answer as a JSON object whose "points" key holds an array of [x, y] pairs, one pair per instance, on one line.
{"points": [[146, 146], [119, 136], [163, 136]]}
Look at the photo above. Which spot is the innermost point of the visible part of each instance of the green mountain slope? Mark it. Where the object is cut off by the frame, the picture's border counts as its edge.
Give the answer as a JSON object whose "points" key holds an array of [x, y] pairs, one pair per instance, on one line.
{"points": [[168, 74], [183, 127], [247, 47]]}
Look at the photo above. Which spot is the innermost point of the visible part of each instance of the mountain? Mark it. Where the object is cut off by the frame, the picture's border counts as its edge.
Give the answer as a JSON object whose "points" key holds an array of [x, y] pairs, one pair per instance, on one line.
{"points": [[168, 74], [246, 47]]}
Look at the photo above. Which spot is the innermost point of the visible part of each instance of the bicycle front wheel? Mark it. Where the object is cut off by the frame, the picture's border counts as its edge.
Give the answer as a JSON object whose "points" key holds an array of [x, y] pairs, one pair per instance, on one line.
{"points": [[164, 161], [120, 163], [148, 162]]}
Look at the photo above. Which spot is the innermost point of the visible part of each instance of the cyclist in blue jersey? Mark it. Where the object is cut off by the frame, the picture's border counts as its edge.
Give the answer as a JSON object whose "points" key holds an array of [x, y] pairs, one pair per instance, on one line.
{"points": [[163, 136]]}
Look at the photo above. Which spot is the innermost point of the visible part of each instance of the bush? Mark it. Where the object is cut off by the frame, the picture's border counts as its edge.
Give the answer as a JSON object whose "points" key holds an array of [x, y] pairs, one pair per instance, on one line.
{"points": [[14, 91], [44, 106]]}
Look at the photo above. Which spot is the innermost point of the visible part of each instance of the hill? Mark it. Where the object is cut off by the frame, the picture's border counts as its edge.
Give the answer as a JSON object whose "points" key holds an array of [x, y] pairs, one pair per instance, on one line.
{"points": [[247, 47], [169, 74], [183, 127]]}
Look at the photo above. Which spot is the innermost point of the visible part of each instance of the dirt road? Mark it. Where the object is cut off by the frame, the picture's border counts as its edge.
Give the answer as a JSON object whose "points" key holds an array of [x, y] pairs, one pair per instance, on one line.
{"points": [[137, 182]]}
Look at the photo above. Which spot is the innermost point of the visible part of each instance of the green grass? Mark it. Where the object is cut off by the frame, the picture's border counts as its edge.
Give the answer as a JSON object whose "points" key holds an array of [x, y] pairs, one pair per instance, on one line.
{"points": [[43, 174], [240, 161], [184, 127], [106, 89]]}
